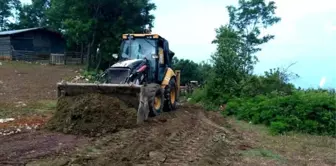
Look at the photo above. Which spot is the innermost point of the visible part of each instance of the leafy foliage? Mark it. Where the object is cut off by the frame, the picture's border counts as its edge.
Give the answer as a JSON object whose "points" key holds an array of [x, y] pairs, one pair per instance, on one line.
{"points": [[191, 71], [269, 99], [92, 75], [273, 80], [312, 112], [248, 19], [32, 15], [99, 24], [237, 43], [90, 25], [6, 12]]}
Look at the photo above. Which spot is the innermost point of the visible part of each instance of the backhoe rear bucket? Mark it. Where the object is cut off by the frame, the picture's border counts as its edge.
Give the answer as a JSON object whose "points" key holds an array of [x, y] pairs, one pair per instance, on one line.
{"points": [[127, 93]]}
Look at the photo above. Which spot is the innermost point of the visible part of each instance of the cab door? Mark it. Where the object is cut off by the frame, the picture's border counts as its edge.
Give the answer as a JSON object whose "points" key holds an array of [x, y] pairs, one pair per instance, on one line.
{"points": [[163, 59]]}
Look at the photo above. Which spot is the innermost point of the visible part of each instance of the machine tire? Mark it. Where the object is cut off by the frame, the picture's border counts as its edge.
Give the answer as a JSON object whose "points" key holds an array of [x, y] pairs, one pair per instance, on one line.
{"points": [[170, 101], [156, 108]]}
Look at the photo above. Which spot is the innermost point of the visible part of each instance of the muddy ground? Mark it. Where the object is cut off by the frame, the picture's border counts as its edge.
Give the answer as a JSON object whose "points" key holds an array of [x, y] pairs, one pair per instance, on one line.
{"points": [[26, 82], [184, 137], [187, 136], [91, 115]]}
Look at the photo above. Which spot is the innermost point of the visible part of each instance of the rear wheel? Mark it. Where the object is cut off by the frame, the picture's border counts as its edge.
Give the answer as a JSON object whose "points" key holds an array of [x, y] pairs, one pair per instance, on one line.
{"points": [[170, 96]]}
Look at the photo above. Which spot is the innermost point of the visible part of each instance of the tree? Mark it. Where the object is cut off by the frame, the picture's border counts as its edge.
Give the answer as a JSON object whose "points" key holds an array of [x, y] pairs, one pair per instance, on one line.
{"points": [[100, 24], [237, 43], [248, 20], [7, 9], [92, 25], [228, 71], [31, 15], [190, 70], [205, 69]]}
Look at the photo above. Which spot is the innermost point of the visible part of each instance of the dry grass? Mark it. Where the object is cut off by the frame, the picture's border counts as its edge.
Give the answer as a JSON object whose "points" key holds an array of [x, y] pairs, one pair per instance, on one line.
{"points": [[290, 149]]}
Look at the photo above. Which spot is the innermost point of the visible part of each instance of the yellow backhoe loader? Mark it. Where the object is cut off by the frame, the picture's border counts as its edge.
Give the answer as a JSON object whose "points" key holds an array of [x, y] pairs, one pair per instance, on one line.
{"points": [[143, 65]]}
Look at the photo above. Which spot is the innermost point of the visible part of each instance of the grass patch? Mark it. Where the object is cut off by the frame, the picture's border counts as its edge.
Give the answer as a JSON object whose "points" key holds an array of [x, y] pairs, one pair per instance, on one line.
{"points": [[246, 126], [294, 148], [40, 107], [68, 78], [14, 112], [47, 104], [263, 153]]}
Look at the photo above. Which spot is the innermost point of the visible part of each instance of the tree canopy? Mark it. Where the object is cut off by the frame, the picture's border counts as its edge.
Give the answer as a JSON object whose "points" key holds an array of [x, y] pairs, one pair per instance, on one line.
{"points": [[89, 24], [191, 71], [7, 10], [237, 42]]}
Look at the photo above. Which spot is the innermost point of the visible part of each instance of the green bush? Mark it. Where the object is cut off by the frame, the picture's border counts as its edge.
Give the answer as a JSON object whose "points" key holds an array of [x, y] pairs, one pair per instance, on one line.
{"points": [[219, 90], [198, 95], [311, 111], [92, 75]]}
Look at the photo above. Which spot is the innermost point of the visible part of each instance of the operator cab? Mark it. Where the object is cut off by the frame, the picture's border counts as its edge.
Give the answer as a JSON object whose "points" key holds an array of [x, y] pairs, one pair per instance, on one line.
{"points": [[151, 47]]}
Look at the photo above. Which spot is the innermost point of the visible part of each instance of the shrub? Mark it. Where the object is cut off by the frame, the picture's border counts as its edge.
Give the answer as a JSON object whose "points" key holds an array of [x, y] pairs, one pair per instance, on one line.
{"points": [[198, 95], [92, 75], [311, 111]]}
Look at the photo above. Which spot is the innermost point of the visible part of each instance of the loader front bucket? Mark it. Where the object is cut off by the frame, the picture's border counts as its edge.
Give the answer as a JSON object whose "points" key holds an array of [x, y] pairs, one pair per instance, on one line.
{"points": [[127, 93]]}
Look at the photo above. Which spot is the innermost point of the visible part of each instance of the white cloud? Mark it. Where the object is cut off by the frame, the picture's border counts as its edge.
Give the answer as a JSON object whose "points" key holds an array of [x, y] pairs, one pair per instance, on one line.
{"points": [[293, 13], [190, 24], [330, 27], [323, 81], [25, 1], [294, 10]]}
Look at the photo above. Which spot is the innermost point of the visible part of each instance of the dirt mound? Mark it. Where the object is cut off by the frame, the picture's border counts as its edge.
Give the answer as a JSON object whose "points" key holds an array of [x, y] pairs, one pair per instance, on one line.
{"points": [[91, 115]]}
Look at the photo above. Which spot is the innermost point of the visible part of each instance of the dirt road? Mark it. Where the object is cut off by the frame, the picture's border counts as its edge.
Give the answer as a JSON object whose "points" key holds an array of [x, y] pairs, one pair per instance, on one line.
{"points": [[188, 136], [185, 137]]}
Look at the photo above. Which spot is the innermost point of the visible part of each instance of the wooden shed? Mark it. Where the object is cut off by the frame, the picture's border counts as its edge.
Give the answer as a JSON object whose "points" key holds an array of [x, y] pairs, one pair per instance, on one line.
{"points": [[31, 44]]}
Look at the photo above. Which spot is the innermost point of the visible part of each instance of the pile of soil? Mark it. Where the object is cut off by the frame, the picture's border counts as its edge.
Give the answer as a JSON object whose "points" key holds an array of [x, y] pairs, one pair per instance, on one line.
{"points": [[91, 115]]}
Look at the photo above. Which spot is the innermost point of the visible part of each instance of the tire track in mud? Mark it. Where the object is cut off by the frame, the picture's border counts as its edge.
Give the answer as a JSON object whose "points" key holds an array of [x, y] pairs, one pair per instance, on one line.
{"points": [[182, 137], [187, 137], [185, 148], [199, 142]]}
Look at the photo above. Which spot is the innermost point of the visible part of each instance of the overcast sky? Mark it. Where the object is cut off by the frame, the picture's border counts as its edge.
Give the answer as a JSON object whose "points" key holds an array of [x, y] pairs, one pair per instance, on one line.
{"points": [[306, 35]]}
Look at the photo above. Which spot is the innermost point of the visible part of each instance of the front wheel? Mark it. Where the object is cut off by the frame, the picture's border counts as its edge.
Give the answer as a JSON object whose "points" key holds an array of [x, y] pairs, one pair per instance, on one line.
{"points": [[170, 96], [156, 101]]}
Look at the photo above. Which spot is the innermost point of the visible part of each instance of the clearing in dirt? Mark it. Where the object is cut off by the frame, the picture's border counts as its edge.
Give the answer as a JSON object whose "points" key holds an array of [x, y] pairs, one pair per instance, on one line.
{"points": [[91, 115], [18, 149], [182, 137], [25, 82]]}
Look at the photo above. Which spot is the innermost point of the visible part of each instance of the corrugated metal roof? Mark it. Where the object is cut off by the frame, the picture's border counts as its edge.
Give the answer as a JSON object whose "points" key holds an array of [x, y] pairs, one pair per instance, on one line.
{"points": [[11, 32]]}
